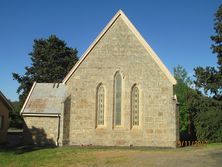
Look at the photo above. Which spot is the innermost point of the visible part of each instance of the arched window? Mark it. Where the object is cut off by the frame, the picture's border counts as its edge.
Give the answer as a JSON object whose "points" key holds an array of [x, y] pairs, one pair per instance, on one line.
{"points": [[118, 98], [100, 105], [135, 105]]}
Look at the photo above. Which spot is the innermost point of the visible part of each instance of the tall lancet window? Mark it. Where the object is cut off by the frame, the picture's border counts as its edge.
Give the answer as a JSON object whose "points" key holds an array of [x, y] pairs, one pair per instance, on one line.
{"points": [[100, 105], [118, 98], [135, 105]]}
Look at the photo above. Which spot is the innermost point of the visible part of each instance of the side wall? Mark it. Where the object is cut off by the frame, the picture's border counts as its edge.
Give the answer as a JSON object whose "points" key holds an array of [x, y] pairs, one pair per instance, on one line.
{"points": [[4, 111], [120, 50], [40, 130]]}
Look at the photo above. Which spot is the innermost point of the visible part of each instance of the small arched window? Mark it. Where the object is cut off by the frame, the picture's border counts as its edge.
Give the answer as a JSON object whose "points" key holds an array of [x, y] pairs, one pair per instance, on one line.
{"points": [[118, 98], [100, 105], [135, 106]]}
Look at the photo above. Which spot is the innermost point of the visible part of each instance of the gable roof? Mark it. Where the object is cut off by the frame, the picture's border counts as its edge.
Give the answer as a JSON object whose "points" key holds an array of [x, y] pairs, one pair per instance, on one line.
{"points": [[137, 34], [5, 100], [44, 98]]}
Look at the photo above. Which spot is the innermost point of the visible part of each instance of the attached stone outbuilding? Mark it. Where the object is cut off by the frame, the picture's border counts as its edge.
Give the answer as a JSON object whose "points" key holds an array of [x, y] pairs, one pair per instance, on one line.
{"points": [[42, 114], [118, 94]]}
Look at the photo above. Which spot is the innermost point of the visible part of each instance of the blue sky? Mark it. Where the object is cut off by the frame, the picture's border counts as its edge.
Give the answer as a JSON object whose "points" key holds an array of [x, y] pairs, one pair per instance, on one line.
{"points": [[178, 31]]}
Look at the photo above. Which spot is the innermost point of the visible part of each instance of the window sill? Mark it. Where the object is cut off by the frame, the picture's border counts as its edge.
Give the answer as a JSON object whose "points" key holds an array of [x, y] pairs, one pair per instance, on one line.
{"points": [[120, 127], [101, 127], [136, 127]]}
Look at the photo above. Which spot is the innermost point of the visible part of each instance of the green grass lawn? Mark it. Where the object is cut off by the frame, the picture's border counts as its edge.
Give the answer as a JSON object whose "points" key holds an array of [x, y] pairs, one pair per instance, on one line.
{"points": [[100, 156]]}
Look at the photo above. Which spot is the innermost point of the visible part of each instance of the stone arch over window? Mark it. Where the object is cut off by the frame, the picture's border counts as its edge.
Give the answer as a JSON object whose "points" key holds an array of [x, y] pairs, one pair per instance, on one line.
{"points": [[100, 104], [117, 98], [135, 105]]}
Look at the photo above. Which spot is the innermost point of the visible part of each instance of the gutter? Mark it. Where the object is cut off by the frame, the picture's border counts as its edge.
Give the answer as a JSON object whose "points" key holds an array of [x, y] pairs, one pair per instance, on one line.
{"points": [[57, 140], [41, 114]]}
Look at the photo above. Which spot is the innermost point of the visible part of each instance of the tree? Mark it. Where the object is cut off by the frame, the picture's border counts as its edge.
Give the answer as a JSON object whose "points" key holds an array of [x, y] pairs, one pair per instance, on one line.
{"points": [[204, 113], [15, 121], [207, 111], [210, 78], [181, 75], [207, 117], [51, 61], [182, 90]]}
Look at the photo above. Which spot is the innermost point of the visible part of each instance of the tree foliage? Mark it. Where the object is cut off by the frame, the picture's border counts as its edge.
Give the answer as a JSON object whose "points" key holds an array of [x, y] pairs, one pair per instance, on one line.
{"points": [[181, 75], [15, 121], [207, 111], [51, 60], [207, 117], [210, 78], [183, 91]]}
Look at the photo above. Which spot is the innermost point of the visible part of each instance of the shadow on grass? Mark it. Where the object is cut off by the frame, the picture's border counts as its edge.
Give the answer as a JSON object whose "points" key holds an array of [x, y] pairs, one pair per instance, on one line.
{"points": [[31, 139], [23, 149]]}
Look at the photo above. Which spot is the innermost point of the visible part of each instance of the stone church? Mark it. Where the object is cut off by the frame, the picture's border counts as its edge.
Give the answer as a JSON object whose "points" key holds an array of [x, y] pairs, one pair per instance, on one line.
{"points": [[118, 94]]}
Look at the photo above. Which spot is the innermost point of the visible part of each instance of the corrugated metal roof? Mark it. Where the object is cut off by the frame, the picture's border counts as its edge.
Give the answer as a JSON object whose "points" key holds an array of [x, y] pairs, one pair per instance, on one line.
{"points": [[46, 98]]}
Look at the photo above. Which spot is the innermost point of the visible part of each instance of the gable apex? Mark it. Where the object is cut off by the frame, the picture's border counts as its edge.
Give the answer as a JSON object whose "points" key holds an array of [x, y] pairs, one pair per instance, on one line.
{"points": [[154, 56]]}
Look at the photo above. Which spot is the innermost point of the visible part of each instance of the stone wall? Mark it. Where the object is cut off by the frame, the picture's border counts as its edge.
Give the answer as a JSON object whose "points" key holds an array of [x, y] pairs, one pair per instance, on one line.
{"points": [[66, 121], [40, 130], [120, 50]]}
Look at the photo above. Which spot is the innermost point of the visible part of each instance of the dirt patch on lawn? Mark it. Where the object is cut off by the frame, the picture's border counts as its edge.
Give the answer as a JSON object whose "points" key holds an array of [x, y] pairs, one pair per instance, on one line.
{"points": [[183, 157]]}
